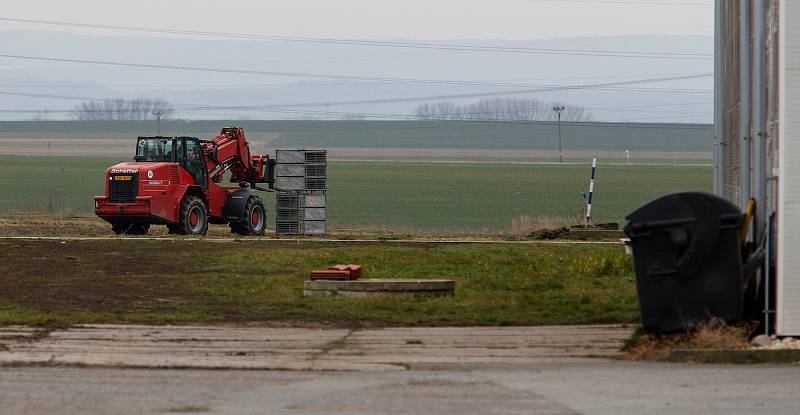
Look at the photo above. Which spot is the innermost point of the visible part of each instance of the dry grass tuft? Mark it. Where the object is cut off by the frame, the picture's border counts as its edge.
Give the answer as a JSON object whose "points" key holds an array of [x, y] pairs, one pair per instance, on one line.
{"points": [[652, 347], [716, 334], [523, 225]]}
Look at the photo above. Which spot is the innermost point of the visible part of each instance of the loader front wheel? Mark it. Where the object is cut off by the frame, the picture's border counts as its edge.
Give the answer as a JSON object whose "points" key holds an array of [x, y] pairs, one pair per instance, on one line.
{"points": [[255, 219], [193, 219]]}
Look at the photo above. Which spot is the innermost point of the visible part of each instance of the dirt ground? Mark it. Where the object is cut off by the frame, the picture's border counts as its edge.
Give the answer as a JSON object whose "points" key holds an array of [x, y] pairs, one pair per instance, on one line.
{"points": [[51, 226], [47, 225], [81, 277]]}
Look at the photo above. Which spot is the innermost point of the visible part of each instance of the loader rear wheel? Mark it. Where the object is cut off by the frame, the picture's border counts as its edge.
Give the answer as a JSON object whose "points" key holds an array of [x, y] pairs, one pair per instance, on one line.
{"points": [[131, 228], [255, 219], [192, 219]]}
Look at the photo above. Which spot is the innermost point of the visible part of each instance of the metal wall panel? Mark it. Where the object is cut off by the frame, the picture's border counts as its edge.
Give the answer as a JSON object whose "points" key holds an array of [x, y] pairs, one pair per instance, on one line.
{"points": [[314, 227], [290, 156], [788, 261], [732, 140], [315, 201], [314, 214], [290, 183], [295, 170]]}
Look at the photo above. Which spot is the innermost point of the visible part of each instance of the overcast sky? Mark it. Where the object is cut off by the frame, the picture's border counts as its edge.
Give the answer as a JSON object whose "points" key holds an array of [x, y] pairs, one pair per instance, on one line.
{"points": [[375, 19], [651, 26]]}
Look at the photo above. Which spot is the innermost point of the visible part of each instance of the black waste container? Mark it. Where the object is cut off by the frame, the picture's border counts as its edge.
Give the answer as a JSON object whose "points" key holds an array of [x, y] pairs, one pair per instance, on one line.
{"points": [[687, 259]]}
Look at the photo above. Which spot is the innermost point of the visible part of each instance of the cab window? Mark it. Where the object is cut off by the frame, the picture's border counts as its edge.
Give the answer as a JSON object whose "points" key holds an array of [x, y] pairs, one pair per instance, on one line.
{"points": [[193, 162]]}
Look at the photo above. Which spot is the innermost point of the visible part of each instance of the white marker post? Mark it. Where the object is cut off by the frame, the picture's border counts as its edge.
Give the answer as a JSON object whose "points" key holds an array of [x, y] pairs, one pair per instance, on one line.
{"points": [[591, 190]]}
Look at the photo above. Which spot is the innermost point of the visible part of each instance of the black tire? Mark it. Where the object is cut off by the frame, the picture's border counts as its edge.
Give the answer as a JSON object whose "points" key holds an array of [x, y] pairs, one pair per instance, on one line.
{"points": [[131, 228], [192, 218], [255, 219]]}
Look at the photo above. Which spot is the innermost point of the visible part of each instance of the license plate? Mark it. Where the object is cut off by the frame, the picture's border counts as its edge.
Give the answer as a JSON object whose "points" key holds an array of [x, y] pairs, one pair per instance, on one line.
{"points": [[123, 178]]}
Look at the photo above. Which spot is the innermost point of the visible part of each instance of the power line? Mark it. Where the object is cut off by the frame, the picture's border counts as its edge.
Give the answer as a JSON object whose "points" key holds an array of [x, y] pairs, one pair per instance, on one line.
{"points": [[375, 43], [269, 73], [381, 100], [275, 73], [679, 104], [283, 85]]}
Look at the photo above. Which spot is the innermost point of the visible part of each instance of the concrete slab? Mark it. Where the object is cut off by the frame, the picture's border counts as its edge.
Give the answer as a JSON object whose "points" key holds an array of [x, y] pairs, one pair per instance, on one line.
{"points": [[482, 345], [263, 348], [367, 287]]}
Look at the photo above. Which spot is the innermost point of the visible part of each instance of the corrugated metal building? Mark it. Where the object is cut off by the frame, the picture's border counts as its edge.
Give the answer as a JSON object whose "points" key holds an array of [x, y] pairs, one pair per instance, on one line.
{"points": [[757, 119]]}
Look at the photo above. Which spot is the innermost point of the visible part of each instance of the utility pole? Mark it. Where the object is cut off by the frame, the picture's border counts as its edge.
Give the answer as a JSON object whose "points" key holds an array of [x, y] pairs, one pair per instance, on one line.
{"points": [[157, 113], [61, 198], [558, 110]]}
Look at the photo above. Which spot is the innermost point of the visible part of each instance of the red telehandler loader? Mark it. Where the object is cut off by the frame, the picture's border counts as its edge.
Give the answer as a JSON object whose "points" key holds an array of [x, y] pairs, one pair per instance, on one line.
{"points": [[175, 181]]}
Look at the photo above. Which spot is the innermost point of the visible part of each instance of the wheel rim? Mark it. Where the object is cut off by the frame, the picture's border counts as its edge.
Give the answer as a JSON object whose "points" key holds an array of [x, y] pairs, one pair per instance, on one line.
{"points": [[256, 218], [195, 221]]}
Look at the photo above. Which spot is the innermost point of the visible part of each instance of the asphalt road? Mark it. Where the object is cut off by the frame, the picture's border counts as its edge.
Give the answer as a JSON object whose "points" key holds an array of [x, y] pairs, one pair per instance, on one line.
{"points": [[538, 388]]}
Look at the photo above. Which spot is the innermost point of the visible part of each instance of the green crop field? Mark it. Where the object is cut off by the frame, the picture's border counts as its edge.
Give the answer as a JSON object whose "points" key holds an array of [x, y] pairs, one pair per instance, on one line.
{"points": [[594, 136], [385, 174], [418, 196]]}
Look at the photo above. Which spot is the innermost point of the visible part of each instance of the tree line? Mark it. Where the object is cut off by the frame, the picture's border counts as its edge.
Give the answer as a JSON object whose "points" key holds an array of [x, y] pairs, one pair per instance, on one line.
{"points": [[502, 109], [119, 109]]}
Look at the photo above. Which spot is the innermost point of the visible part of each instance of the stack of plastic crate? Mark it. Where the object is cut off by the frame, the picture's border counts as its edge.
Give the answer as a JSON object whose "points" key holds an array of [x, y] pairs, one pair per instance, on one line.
{"points": [[302, 183]]}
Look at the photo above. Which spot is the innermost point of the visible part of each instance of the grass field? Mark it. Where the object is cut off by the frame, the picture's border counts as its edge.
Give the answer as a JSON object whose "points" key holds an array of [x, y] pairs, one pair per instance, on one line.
{"points": [[53, 282], [387, 174], [412, 197], [617, 137]]}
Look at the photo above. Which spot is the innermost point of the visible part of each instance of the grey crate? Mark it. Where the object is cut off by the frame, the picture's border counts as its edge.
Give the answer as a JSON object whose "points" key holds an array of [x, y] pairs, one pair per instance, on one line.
{"points": [[287, 215], [316, 184], [314, 200], [287, 228], [314, 214], [315, 170], [291, 170], [287, 201], [316, 156], [290, 183], [314, 227], [290, 156]]}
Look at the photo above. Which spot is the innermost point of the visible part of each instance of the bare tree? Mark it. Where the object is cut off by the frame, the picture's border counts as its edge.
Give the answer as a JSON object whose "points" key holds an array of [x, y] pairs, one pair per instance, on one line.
{"points": [[443, 110], [501, 109], [41, 115], [425, 112], [353, 116], [122, 109]]}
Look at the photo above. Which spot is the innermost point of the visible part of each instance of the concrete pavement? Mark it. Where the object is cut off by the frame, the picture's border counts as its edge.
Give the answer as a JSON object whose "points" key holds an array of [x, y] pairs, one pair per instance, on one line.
{"points": [[589, 387], [219, 347], [463, 371]]}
